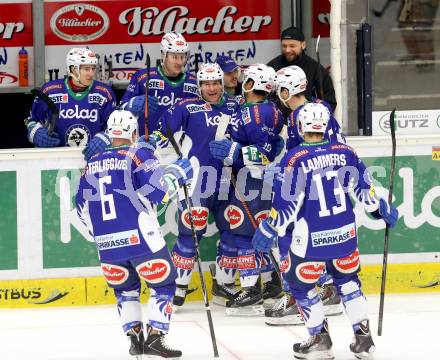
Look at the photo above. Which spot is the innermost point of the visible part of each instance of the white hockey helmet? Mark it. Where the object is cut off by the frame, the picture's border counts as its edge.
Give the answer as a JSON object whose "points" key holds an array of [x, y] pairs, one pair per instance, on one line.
{"points": [[121, 124], [313, 118], [292, 78], [174, 43], [79, 56], [209, 71], [262, 75]]}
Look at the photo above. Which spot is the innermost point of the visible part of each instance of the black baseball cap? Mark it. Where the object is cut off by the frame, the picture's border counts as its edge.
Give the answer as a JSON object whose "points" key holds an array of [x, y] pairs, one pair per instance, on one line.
{"points": [[292, 33]]}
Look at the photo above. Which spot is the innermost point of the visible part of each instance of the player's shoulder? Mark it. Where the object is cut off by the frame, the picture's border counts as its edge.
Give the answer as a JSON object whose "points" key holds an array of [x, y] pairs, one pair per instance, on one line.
{"points": [[189, 77], [340, 147], [294, 155], [103, 89], [53, 86]]}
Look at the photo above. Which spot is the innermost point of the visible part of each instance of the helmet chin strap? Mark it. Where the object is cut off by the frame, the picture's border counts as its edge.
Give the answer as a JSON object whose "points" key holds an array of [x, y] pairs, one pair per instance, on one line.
{"points": [[77, 78]]}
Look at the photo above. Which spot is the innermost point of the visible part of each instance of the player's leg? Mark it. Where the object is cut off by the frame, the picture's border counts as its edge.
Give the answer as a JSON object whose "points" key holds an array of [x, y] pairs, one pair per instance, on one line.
{"points": [[302, 277], [124, 281], [347, 282], [329, 295], [184, 251], [225, 268], [158, 272]]}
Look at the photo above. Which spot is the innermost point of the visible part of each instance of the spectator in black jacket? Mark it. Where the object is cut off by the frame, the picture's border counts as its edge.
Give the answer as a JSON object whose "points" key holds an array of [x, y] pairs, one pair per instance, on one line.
{"points": [[293, 46]]}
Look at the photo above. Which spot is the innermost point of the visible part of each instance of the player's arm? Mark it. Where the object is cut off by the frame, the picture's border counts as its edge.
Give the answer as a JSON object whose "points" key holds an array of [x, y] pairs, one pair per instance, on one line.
{"points": [[173, 119], [83, 196], [364, 191], [134, 88], [288, 197]]}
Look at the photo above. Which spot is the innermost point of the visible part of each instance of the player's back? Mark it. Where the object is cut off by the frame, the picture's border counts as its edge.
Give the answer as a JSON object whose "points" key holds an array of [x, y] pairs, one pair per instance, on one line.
{"points": [[123, 181], [326, 174]]}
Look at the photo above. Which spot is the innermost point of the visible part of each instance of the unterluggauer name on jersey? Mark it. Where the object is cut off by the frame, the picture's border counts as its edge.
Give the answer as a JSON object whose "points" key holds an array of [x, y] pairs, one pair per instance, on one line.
{"points": [[323, 161], [106, 164]]}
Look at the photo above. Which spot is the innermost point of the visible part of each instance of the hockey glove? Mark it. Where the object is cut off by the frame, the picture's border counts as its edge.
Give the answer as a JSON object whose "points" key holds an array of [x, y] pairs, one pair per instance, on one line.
{"points": [[388, 212], [264, 237], [38, 135], [149, 144], [97, 145], [279, 146], [225, 150], [136, 105], [181, 170], [159, 139]]}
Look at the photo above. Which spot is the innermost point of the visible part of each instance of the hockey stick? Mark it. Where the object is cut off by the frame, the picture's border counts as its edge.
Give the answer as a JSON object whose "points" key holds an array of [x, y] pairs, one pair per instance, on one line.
{"points": [[147, 85], [387, 228], [318, 59], [379, 13], [54, 110], [189, 207], [221, 130]]}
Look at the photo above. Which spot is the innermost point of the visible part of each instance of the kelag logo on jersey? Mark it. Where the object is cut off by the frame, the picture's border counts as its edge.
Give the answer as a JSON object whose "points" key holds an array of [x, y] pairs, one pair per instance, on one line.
{"points": [[333, 236], [117, 240], [59, 98], [156, 84], [190, 88], [96, 98], [192, 108], [83, 114], [166, 100]]}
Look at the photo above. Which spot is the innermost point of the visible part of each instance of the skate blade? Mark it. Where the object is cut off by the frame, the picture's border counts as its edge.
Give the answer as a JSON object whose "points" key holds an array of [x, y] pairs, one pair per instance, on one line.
{"points": [[284, 321], [333, 310], [316, 355], [218, 300], [157, 357], [366, 355], [252, 310]]}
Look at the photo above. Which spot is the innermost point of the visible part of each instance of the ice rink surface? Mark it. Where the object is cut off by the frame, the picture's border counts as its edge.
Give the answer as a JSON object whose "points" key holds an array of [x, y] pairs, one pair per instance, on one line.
{"points": [[410, 331]]}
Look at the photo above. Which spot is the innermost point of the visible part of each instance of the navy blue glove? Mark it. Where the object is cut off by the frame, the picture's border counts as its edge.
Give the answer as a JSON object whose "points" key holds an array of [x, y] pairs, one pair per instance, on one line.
{"points": [[388, 212], [97, 145], [136, 105], [264, 237], [149, 143], [38, 135], [279, 146], [182, 170], [225, 150]]}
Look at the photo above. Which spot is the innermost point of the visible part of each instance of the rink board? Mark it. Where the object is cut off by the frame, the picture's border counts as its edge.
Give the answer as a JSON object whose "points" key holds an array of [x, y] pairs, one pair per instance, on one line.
{"points": [[41, 236], [401, 278]]}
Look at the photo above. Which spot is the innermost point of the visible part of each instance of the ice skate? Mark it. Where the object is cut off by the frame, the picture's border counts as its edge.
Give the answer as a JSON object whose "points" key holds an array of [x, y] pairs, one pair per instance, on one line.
{"points": [[179, 297], [318, 346], [331, 300], [272, 290], [137, 339], [249, 302], [222, 293], [155, 347], [284, 312], [363, 346]]}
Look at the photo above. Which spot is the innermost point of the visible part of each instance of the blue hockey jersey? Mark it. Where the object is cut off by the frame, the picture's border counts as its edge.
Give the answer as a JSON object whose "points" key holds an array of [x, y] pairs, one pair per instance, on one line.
{"points": [[313, 192], [333, 132], [257, 124], [166, 91], [199, 121], [82, 115], [114, 200]]}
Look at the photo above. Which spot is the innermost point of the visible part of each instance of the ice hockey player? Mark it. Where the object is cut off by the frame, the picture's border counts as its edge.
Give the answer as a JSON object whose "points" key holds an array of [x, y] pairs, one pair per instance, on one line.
{"points": [[312, 193], [117, 191], [84, 103], [253, 144], [199, 119], [168, 83], [291, 83]]}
